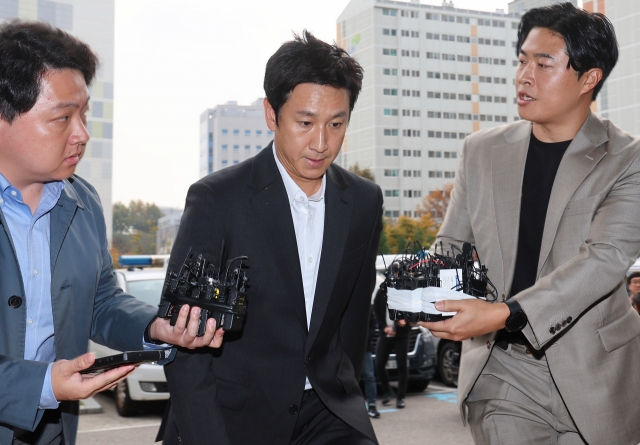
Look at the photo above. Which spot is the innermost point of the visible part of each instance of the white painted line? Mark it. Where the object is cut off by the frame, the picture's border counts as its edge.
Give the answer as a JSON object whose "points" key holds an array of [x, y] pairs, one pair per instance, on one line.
{"points": [[146, 425]]}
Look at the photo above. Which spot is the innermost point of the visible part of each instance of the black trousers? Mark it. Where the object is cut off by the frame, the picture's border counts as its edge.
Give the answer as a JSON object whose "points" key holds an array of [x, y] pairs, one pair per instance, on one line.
{"points": [[48, 432], [316, 425], [383, 349]]}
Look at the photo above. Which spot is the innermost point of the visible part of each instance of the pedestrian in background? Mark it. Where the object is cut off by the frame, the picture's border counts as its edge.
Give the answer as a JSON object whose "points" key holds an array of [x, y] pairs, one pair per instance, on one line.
{"points": [[392, 337], [368, 373]]}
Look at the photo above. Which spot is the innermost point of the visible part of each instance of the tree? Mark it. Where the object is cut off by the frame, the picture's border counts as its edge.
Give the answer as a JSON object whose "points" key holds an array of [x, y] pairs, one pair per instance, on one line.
{"points": [[407, 231], [436, 204], [135, 227], [364, 172]]}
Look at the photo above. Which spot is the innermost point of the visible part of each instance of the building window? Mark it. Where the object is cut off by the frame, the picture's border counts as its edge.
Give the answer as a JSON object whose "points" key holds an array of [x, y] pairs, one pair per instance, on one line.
{"points": [[390, 71], [247, 148], [390, 112], [390, 12], [235, 162], [417, 153], [406, 173], [391, 152], [247, 132], [433, 94], [236, 147], [389, 52], [431, 16], [391, 172], [464, 96], [258, 147], [432, 36], [417, 173], [391, 132], [258, 132], [225, 147], [433, 75], [269, 133], [431, 55], [224, 162], [225, 132], [236, 132], [391, 193], [388, 32], [463, 39], [464, 58], [390, 92]]}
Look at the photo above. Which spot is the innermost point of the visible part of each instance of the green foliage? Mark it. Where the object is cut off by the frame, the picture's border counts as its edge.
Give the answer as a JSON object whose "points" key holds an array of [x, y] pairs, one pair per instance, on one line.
{"points": [[135, 227]]}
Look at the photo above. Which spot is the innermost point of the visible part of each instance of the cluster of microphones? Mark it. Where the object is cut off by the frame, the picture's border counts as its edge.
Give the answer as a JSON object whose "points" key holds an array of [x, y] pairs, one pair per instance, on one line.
{"points": [[416, 279]]}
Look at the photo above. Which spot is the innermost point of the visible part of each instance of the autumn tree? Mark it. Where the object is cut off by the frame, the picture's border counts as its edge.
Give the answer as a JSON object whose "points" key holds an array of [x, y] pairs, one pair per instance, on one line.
{"points": [[436, 203], [135, 227], [407, 231], [364, 172]]}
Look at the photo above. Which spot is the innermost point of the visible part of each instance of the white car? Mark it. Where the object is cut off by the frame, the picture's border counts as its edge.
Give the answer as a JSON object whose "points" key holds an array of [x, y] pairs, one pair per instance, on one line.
{"points": [[148, 382]]}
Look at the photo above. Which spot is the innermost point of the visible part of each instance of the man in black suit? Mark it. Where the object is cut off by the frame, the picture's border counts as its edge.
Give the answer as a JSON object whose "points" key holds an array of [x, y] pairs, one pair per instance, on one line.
{"points": [[311, 232]]}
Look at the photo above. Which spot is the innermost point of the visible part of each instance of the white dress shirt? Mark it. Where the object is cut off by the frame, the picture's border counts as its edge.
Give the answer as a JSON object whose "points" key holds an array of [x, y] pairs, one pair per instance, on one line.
{"points": [[308, 220]]}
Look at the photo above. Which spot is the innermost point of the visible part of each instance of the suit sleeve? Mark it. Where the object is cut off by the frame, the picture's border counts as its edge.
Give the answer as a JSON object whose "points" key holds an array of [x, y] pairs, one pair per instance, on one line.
{"points": [[191, 378], [353, 331], [610, 248]]}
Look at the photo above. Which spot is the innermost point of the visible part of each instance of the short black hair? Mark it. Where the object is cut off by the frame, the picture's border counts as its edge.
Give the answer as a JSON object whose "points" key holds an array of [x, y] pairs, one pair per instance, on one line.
{"points": [[27, 51], [307, 59], [590, 37], [631, 276]]}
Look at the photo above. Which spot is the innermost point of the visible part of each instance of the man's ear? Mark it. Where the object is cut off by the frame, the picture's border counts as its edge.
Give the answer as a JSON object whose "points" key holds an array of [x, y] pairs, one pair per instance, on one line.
{"points": [[270, 115], [590, 80]]}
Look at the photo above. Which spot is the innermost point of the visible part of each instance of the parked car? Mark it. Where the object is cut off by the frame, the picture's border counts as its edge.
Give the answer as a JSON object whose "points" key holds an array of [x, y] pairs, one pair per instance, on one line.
{"points": [[148, 382], [448, 360]]}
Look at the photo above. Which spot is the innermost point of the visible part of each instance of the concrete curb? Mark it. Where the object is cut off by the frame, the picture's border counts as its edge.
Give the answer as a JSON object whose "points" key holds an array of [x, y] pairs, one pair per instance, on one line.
{"points": [[90, 406]]}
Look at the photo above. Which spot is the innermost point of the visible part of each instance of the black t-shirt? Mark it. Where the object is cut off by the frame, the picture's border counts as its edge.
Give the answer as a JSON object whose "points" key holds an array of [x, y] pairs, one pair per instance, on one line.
{"points": [[543, 159]]}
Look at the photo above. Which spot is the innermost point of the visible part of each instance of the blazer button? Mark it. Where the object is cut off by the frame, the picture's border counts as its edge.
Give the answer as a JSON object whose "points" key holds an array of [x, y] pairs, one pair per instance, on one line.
{"points": [[307, 360], [552, 330], [558, 327], [15, 302], [293, 409], [569, 319]]}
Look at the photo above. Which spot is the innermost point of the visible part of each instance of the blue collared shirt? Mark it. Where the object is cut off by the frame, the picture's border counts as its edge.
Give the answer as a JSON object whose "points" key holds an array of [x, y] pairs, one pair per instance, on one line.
{"points": [[30, 234]]}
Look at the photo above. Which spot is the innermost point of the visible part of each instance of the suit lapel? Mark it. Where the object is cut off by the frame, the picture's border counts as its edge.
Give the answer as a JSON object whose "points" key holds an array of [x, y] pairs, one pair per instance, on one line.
{"points": [[507, 171], [61, 217], [274, 211], [338, 208], [583, 154]]}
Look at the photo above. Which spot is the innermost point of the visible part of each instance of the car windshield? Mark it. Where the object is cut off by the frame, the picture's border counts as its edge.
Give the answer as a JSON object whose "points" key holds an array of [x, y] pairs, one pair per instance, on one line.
{"points": [[146, 290]]}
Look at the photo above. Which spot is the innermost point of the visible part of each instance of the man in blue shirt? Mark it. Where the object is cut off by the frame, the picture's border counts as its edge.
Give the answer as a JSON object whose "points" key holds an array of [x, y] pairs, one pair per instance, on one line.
{"points": [[57, 288]]}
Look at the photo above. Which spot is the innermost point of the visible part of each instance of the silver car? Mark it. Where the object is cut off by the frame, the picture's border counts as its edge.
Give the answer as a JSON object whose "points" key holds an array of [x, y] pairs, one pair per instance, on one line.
{"points": [[148, 382]]}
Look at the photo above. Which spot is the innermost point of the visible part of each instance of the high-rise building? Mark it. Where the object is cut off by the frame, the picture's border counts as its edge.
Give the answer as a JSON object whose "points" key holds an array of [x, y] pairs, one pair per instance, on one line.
{"points": [[432, 76], [619, 99], [522, 6], [92, 21], [231, 133]]}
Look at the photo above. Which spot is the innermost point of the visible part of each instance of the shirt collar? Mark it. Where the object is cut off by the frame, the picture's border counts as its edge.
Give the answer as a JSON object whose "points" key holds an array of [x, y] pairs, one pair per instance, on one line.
{"points": [[293, 190], [52, 190]]}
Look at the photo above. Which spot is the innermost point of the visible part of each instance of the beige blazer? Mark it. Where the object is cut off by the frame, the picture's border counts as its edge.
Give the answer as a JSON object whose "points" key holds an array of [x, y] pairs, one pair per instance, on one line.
{"points": [[578, 310]]}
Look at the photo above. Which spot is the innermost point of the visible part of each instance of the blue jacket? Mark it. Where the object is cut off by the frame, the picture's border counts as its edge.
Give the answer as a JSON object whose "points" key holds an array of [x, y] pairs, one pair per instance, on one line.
{"points": [[86, 301]]}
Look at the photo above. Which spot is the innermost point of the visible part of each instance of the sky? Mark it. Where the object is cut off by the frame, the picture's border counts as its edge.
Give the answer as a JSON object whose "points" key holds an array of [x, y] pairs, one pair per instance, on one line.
{"points": [[175, 58]]}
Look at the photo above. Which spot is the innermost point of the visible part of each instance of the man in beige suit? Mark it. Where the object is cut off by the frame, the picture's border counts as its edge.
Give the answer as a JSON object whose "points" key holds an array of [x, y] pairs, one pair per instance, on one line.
{"points": [[552, 204]]}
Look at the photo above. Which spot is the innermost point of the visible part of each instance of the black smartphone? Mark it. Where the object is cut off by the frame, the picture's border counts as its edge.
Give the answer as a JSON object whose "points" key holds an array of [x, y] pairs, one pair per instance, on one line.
{"points": [[126, 358]]}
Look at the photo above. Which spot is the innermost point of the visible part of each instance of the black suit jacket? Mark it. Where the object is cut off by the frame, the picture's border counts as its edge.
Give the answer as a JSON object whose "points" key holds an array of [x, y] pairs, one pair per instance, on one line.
{"points": [[249, 391]]}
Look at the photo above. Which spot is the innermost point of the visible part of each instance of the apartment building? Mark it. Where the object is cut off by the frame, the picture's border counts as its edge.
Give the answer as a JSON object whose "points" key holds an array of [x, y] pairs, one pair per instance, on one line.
{"points": [[231, 133], [433, 75]]}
